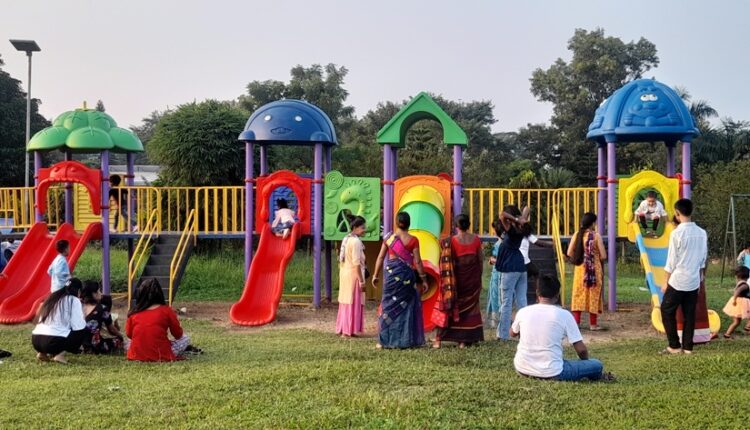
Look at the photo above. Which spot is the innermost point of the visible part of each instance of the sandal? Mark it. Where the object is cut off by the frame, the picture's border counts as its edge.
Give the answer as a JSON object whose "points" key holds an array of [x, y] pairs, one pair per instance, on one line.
{"points": [[596, 328], [42, 357], [670, 351], [727, 336]]}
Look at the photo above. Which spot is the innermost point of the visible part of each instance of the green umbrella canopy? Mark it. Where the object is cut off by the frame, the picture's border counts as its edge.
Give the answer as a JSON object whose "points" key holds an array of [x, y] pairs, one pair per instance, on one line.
{"points": [[85, 130]]}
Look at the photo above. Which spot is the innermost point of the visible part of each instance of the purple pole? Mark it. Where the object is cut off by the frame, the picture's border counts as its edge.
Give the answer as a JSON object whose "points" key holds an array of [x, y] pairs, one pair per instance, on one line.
{"points": [[601, 183], [318, 203], [612, 225], [249, 206], [457, 178], [263, 160], [68, 194], [105, 222], [686, 178], [387, 188], [37, 165], [670, 159], [394, 163], [328, 262], [130, 182]]}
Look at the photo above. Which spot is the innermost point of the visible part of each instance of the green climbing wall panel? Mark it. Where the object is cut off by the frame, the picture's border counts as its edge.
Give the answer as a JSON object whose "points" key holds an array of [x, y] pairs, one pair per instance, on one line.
{"points": [[350, 195]]}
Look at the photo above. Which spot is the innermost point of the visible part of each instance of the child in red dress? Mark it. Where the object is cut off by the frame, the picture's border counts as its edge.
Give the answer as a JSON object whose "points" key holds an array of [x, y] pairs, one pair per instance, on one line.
{"points": [[147, 327]]}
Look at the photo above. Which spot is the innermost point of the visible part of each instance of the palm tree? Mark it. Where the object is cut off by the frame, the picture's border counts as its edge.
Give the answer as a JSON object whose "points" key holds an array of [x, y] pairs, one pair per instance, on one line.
{"points": [[699, 109]]}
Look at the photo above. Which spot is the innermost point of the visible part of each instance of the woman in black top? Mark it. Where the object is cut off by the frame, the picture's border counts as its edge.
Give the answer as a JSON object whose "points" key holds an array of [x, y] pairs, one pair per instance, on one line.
{"points": [[513, 227], [97, 318]]}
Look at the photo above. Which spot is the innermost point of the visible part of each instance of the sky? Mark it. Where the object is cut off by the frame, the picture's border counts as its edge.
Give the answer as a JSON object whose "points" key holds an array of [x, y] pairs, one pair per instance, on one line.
{"points": [[139, 56]]}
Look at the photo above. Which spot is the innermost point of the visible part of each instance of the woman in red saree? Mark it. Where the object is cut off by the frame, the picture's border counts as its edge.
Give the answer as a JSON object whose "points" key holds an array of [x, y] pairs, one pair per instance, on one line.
{"points": [[464, 317]]}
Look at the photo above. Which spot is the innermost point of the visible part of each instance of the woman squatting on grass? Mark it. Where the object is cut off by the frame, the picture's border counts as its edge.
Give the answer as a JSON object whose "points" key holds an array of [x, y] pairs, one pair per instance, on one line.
{"points": [[147, 326]]}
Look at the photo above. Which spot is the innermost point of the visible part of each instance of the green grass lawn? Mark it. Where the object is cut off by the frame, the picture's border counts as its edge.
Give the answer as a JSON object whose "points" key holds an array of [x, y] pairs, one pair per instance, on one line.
{"points": [[292, 378], [310, 379]]}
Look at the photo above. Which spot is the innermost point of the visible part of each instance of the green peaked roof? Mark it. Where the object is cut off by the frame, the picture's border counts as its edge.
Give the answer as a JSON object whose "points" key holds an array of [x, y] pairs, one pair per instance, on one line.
{"points": [[420, 107], [85, 130]]}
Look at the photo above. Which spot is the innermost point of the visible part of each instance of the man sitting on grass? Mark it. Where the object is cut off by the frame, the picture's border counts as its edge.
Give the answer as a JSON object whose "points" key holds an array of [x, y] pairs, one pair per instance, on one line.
{"points": [[542, 328]]}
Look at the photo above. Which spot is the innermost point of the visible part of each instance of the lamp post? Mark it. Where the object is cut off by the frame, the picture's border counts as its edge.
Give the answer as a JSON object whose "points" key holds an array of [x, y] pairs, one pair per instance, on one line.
{"points": [[27, 46]]}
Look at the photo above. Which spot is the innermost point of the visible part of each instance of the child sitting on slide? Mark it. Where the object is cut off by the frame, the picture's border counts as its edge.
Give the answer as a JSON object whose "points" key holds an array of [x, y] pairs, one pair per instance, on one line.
{"points": [[652, 210], [283, 220], [738, 307]]}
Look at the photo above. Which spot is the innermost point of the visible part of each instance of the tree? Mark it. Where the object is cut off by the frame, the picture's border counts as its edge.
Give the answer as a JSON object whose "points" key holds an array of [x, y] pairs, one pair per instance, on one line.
{"points": [[100, 106], [321, 86], [700, 110], [557, 177], [599, 66], [145, 131], [196, 144], [13, 128]]}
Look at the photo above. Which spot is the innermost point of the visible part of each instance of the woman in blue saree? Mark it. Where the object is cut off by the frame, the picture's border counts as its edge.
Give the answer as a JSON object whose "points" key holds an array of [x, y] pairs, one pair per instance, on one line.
{"points": [[400, 322]]}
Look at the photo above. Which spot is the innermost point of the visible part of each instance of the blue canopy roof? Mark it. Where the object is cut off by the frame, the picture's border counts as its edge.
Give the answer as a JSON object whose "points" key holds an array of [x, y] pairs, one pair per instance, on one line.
{"points": [[289, 122], [644, 110]]}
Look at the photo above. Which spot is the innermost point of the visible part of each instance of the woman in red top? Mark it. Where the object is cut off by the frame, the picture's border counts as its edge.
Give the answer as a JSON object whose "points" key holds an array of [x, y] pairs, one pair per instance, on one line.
{"points": [[466, 251], [147, 327]]}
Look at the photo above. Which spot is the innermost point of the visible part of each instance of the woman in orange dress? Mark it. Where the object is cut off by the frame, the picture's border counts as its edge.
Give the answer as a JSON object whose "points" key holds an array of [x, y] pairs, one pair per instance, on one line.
{"points": [[586, 251]]}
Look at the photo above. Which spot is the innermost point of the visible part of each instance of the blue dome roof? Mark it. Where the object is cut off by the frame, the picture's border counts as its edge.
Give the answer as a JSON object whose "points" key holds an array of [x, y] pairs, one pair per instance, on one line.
{"points": [[644, 110], [289, 122]]}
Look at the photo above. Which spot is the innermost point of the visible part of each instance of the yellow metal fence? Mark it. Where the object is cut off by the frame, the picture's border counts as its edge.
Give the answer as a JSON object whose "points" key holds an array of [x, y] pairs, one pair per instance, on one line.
{"points": [[17, 207], [484, 205]]}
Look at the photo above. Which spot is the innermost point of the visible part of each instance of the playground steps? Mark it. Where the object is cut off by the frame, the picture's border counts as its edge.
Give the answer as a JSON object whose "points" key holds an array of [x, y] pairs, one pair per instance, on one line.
{"points": [[160, 260], [544, 259]]}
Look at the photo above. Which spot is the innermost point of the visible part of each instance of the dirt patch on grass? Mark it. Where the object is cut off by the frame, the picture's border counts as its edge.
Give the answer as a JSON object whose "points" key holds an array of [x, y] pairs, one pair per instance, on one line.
{"points": [[631, 321]]}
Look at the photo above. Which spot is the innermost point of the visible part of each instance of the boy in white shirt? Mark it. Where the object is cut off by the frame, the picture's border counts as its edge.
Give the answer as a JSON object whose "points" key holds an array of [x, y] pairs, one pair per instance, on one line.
{"points": [[542, 328], [650, 210], [685, 270], [59, 272]]}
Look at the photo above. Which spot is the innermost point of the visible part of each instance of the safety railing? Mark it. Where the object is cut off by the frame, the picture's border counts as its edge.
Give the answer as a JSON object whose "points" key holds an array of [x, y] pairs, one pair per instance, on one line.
{"points": [[190, 232], [17, 207], [141, 250], [485, 205], [560, 253]]}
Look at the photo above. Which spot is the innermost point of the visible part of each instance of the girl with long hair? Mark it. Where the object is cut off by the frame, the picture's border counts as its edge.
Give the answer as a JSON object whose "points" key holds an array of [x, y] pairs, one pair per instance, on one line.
{"points": [[148, 323], [60, 325], [586, 251]]}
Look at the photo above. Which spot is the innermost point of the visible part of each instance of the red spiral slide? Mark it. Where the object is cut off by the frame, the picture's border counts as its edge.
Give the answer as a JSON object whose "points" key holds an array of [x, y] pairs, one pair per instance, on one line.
{"points": [[24, 283], [265, 282]]}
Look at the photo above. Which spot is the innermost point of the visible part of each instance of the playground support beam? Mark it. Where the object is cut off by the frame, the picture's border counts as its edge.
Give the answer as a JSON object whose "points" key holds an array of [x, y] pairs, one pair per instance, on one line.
{"points": [[249, 206], [612, 225], [601, 183], [671, 159], [457, 179], [387, 189], [318, 208], [68, 194], [328, 262], [132, 196], [37, 165], [105, 223], [263, 160], [394, 164], [686, 175]]}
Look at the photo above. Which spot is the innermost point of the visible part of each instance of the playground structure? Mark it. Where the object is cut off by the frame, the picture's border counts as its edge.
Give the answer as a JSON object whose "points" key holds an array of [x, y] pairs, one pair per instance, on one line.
{"points": [[643, 110], [26, 282]]}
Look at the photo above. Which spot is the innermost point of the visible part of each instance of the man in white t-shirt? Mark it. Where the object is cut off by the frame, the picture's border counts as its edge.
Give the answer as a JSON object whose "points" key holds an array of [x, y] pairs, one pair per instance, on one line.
{"points": [[650, 210], [542, 328]]}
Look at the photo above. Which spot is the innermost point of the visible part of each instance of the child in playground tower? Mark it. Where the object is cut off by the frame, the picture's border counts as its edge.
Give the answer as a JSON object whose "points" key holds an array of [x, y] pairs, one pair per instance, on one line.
{"points": [[283, 220], [650, 210], [738, 307]]}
